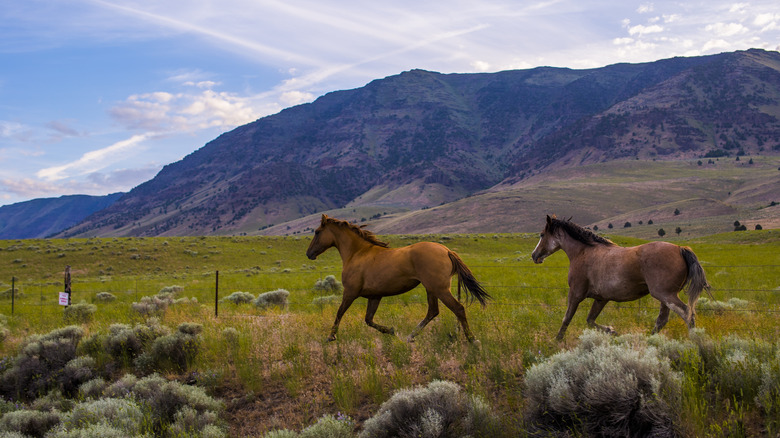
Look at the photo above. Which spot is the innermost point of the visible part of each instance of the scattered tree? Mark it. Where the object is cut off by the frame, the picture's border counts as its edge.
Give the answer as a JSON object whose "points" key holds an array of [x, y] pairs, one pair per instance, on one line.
{"points": [[661, 232], [610, 225], [678, 230], [759, 227], [676, 211], [627, 225]]}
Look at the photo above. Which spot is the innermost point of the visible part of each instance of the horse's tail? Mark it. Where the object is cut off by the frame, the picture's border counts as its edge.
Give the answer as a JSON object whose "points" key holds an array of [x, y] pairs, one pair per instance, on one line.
{"points": [[466, 278], [696, 281]]}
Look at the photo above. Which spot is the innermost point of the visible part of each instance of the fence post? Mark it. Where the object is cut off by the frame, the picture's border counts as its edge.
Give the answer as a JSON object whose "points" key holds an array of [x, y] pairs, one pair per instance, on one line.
{"points": [[216, 297], [67, 282], [13, 293]]}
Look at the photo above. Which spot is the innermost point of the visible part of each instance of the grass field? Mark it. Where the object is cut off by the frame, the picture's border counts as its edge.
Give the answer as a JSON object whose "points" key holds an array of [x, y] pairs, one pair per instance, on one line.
{"points": [[280, 372]]}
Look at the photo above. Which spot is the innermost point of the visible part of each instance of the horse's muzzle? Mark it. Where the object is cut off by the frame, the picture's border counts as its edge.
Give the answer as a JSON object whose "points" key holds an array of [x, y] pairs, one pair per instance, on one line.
{"points": [[311, 256]]}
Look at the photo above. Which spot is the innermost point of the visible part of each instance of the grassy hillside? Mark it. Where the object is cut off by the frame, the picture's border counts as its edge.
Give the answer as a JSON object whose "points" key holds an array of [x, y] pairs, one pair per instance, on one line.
{"points": [[280, 372], [709, 197]]}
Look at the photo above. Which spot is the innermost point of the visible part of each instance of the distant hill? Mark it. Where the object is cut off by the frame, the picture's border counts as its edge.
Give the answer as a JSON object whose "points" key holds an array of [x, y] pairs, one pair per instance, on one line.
{"points": [[420, 140], [44, 217]]}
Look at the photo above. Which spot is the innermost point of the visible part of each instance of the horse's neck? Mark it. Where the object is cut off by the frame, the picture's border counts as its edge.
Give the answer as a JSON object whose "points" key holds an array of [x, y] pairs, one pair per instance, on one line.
{"points": [[571, 246], [348, 243]]}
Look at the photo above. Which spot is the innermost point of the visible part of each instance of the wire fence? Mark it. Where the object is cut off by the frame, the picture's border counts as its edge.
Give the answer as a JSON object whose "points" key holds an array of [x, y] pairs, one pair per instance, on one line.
{"points": [[37, 298]]}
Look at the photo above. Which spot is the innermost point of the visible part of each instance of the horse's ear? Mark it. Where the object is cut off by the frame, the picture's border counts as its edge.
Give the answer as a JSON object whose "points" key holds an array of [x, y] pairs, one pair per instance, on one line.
{"points": [[324, 217], [549, 219]]}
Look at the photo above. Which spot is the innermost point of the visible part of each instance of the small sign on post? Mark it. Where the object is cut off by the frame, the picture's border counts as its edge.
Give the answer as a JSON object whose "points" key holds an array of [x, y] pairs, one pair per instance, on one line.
{"points": [[64, 298]]}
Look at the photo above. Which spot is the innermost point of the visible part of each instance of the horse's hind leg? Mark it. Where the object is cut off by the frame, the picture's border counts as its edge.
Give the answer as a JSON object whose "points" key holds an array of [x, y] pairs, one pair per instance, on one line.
{"points": [[595, 310], [663, 318], [459, 311], [680, 308], [373, 303], [433, 311]]}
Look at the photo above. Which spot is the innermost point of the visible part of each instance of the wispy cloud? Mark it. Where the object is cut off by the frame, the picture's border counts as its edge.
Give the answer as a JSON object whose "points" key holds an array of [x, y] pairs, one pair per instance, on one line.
{"points": [[93, 161]]}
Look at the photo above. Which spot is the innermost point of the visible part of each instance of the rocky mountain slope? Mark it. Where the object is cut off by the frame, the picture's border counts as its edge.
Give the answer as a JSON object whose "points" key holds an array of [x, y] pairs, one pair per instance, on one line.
{"points": [[422, 139]]}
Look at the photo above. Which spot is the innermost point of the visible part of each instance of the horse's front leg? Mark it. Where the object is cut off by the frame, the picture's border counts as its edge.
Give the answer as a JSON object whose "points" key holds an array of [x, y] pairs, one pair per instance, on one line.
{"points": [[595, 310], [433, 311], [346, 301], [574, 300], [373, 303]]}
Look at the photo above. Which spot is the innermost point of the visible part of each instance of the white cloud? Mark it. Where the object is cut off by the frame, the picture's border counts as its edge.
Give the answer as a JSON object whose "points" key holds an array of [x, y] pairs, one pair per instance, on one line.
{"points": [[726, 29], [718, 44], [290, 98], [739, 7], [10, 129], [645, 8], [640, 29], [163, 112], [671, 18], [94, 160], [480, 66], [622, 41]]}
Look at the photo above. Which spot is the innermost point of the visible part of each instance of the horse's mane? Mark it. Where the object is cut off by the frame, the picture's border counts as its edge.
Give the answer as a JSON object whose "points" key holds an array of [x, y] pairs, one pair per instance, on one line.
{"points": [[577, 232], [368, 236]]}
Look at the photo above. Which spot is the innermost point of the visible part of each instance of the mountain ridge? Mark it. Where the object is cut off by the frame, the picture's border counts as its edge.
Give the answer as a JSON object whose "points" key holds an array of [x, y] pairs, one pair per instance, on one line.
{"points": [[420, 139]]}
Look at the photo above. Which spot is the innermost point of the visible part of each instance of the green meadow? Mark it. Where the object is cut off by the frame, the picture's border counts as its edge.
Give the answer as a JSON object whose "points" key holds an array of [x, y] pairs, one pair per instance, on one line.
{"points": [[273, 370]]}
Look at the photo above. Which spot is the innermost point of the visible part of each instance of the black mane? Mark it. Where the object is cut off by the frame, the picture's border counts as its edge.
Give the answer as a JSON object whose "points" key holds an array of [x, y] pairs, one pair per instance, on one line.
{"points": [[577, 232]]}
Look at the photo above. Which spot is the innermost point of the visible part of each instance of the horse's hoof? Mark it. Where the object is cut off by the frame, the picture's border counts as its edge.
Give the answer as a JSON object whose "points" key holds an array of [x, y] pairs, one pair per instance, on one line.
{"points": [[410, 340], [331, 338], [476, 344]]}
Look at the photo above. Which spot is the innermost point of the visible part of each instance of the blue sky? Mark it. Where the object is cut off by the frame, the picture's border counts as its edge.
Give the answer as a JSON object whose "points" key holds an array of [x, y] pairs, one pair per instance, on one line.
{"points": [[96, 96]]}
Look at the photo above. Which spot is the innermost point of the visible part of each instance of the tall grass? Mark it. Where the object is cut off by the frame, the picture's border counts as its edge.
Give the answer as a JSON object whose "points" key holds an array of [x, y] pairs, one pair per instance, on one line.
{"points": [[279, 354]]}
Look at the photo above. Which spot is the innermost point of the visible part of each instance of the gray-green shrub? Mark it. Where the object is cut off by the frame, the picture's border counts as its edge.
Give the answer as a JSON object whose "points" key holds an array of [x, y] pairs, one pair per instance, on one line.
{"points": [[79, 313], [276, 298], [38, 366], [28, 422], [604, 387], [328, 284], [239, 298], [172, 352], [105, 297], [440, 409], [123, 414]]}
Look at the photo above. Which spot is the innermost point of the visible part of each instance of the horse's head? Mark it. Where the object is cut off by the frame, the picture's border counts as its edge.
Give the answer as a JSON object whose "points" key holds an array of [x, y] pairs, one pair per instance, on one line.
{"points": [[548, 243], [323, 239]]}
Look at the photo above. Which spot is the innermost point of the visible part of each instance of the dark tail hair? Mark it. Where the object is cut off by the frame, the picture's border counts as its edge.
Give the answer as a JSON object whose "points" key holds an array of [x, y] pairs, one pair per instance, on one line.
{"points": [[696, 281], [466, 279]]}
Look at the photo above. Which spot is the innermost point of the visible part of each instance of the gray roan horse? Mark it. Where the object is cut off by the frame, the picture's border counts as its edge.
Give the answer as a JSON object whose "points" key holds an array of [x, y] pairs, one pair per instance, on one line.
{"points": [[604, 271], [373, 270]]}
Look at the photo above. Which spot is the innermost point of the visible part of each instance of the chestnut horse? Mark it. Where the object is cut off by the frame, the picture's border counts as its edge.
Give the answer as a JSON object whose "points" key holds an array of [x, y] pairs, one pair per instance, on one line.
{"points": [[601, 270], [373, 270]]}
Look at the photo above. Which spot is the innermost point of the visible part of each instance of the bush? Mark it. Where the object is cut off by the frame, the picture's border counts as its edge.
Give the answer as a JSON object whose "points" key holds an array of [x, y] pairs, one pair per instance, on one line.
{"points": [[105, 297], [76, 372], [274, 298], [239, 298], [39, 365], [328, 284], [29, 423], [166, 399], [79, 313], [125, 343], [768, 397], [172, 352], [603, 388], [123, 414], [439, 410]]}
